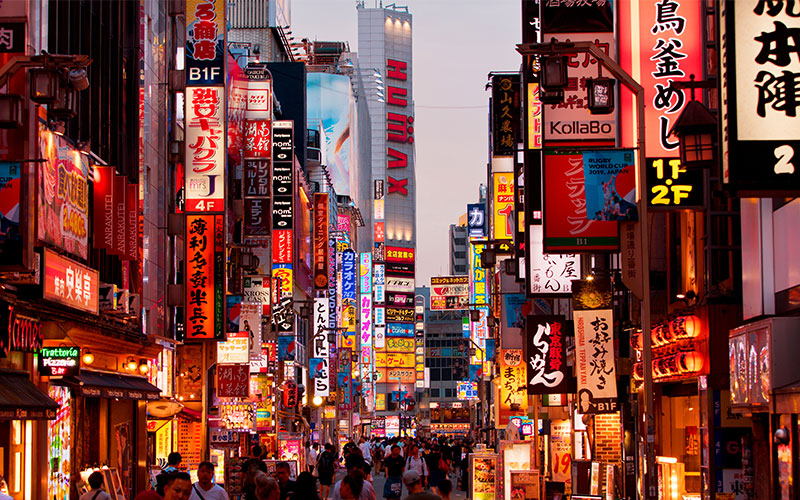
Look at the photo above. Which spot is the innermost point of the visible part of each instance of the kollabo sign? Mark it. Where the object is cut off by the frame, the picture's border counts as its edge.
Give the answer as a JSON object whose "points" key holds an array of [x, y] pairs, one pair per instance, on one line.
{"points": [[59, 361]]}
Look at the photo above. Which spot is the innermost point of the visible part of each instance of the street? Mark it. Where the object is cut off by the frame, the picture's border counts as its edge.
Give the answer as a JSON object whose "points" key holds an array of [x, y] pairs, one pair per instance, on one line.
{"points": [[378, 479]]}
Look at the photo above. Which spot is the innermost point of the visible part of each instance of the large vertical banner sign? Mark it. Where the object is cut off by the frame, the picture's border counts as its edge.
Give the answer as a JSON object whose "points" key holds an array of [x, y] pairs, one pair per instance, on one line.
{"points": [[320, 347], [660, 43], [567, 228], [321, 241], [366, 333], [505, 114], [349, 279], [546, 361], [365, 269], [594, 346], [479, 294], [205, 277], [63, 195], [503, 206], [476, 220], [513, 385], [761, 70], [610, 178], [205, 149], [103, 197], [205, 42]]}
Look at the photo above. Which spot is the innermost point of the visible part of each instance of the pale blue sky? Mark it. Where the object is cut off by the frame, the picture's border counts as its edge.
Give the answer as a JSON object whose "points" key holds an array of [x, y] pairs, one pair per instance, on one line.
{"points": [[456, 44]]}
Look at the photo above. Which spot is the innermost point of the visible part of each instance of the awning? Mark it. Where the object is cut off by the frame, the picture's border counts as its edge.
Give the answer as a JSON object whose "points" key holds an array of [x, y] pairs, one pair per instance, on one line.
{"points": [[20, 399], [108, 385]]}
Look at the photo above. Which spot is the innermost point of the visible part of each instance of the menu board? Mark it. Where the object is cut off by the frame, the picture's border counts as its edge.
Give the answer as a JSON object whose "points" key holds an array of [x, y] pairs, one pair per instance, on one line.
{"points": [[484, 476], [189, 437], [525, 485]]}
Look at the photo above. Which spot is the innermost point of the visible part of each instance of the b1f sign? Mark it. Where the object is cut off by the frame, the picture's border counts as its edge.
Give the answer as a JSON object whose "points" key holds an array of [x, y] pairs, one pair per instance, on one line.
{"points": [[205, 149]]}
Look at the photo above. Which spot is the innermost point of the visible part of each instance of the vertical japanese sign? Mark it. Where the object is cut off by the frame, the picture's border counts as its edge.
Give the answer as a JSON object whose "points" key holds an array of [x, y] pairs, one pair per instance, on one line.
{"points": [[205, 42], [505, 114], [503, 206], [513, 385], [366, 334], [205, 277], [103, 197], [761, 74], [68, 283], [233, 381], [256, 189], [283, 221], [594, 346], [349, 296], [479, 294], [320, 347], [660, 43], [476, 220], [365, 269], [547, 368], [549, 273], [320, 241], [333, 277]]}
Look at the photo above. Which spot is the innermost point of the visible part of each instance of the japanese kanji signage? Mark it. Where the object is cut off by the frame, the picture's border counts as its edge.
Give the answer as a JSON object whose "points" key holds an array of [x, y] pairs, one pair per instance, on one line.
{"points": [[70, 283], [103, 197], [594, 346], [205, 42], [566, 225], [12, 37], [476, 220], [503, 206], [661, 43], [546, 359], [349, 291], [513, 385], [205, 277], [379, 274], [761, 96], [365, 272], [233, 381], [321, 240], [577, 15], [366, 332], [398, 254], [234, 350], [320, 347], [205, 149], [672, 186], [257, 139], [449, 292], [505, 114], [549, 273]]}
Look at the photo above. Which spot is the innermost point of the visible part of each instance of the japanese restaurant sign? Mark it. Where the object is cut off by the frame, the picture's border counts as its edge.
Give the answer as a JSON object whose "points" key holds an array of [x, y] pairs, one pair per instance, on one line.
{"points": [[205, 149], [503, 207], [320, 347], [513, 385], [505, 114], [321, 240], [235, 350], [349, 275], [69, 283], [233, 381], [63, 195], [205, 277], [205, 42], [546, 361], [594, 346], [549, 274], [760, 69]]}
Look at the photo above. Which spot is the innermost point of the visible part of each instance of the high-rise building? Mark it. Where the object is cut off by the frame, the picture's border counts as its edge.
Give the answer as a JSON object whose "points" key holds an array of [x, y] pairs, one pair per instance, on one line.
{"points": [[458, 250]]}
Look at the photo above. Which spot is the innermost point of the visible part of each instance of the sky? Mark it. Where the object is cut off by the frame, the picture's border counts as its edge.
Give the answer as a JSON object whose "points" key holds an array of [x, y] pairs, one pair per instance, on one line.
{"points": [[456, 43]]}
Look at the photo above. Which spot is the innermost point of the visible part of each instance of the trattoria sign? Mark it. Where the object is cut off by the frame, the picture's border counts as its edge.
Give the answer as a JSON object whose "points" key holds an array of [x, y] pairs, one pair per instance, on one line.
{"points": [[59, 361]]}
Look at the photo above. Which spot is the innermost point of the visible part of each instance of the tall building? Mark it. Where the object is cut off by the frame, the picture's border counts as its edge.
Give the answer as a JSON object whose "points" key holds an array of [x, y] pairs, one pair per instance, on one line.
{"points": [[458, 250]]}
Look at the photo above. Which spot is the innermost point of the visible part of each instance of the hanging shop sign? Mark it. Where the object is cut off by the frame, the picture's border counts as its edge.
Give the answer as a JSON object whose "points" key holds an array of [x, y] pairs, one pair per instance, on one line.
{"points": [[449, 292], [549, 274], [547, 369], [476, 220], [365, 272], [399, 269], [571, 121], [237, 416], [513, 385], [70, 284], [349, 291], [321, 241], [205, 42], [257, 138], [760, 68], [394, 360], [671, 186], [205, 283], [610, 185], [205, 149], [594, 351], [399, 254], [399, 285], [120, 202], [282, 191], [256, 182], [397, 314], [400, 299], [366, 332], [18, 332], [63, 195], [233, 381], [320, 347], [103, 198], [385, 375], [505, 114], [259, 92], [503, 215], [234, 350], [379, 272], [59, 361], [566, 225], [467, 391]]}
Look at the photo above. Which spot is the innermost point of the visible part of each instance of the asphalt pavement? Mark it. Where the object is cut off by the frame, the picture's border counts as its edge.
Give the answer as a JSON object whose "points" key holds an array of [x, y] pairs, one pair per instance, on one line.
{"points": [[378, 479]]}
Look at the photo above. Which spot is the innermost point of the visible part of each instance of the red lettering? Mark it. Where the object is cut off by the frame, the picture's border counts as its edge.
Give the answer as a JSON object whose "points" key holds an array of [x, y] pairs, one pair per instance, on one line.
{"points": [[398, 186], [396, 129], [398, 159], [397, 96], [396, 69]]}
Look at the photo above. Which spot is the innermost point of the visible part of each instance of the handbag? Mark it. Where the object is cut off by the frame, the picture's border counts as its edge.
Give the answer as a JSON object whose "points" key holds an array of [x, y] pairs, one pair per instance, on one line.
{"points": [[443, 466]]}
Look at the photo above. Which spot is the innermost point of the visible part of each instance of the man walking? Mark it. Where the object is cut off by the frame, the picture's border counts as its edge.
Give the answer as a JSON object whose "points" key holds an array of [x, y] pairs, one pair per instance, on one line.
{"points": [[204, 488], [414, 484]]}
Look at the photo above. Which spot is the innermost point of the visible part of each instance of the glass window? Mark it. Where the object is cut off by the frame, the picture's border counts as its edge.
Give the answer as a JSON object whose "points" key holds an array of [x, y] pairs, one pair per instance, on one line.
{"points": [[436, 374], [448, 393], [435, 393]]}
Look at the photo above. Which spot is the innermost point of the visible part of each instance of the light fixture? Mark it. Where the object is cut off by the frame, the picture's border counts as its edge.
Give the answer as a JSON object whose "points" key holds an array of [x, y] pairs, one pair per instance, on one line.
{"points": [[85, 148], [44, 84], [78, 79], [474, 315], [600, 95], [317, 400], [58, 127], [553, 79], [144, 368], [131, 364], [696, 128], [590, 277], [11, 110], [488, 258], [88, 357]]}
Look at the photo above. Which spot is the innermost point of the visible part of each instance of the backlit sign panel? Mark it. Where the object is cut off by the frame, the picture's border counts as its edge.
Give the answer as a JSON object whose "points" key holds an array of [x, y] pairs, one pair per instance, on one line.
{"points": [[205, 149], [69, 283], [59, 361], [205, 42], [205, 277]]}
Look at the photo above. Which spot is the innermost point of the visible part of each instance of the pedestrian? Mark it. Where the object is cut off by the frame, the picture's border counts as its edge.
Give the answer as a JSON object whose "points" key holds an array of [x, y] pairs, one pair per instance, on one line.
{"points": [[204, 488], [305, 487], [326, 467], [417, 464], [313, 454], [434, 459], [97, 492], [395, 466], [366, 452], [282, 475], [351, 487], [177, 486], [414, 485], [250, 470], [356, 465], [157, 492], [173, 462], [266, 488], [445, 488]]}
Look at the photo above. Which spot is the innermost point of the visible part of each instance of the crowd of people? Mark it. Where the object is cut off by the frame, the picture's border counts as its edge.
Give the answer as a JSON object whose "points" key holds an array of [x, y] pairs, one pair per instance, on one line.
{"points": [[427, 468]]}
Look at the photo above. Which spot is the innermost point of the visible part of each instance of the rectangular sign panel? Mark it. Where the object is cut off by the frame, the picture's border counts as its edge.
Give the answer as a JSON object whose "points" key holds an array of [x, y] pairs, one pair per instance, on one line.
{"points": [[205, 149], [503, 206], [205, 42], [205, 277], [594, 353], [320, 347], [69, 283], [505, 114], [549, 273], [321, 240], [449, 292], [547, 368]]}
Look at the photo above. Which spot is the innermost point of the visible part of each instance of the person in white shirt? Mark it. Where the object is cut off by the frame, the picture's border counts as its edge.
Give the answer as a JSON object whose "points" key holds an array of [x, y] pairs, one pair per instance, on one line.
{"points": [[366, 452], [313, 453], [97, 492], [417, 464], [204, 489]]}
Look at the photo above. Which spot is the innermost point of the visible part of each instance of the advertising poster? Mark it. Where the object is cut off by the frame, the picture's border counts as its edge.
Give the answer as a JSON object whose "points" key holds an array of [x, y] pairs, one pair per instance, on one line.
{"points": [[484, 476], [449, 292], [610, 187], [250, 323], [63, 195], [237, 416], [286, 348], [235, 350], [549, 274], [329, 99], [561, 452]]}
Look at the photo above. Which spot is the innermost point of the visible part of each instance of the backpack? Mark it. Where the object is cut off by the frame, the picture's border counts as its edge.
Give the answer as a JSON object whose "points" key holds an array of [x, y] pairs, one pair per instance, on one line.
{"points": [[325, 462]]}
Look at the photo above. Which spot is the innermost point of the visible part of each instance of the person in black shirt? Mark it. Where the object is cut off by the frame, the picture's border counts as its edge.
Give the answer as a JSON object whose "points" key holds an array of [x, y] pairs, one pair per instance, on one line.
{"points": [[395, 466], [282, 475]]}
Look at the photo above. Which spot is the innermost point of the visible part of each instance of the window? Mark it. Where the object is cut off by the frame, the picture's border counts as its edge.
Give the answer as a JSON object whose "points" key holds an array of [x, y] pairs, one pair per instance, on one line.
{"points": [[435, 393], [436, 374], [447, 374], [448, 393], [461, 255]]}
